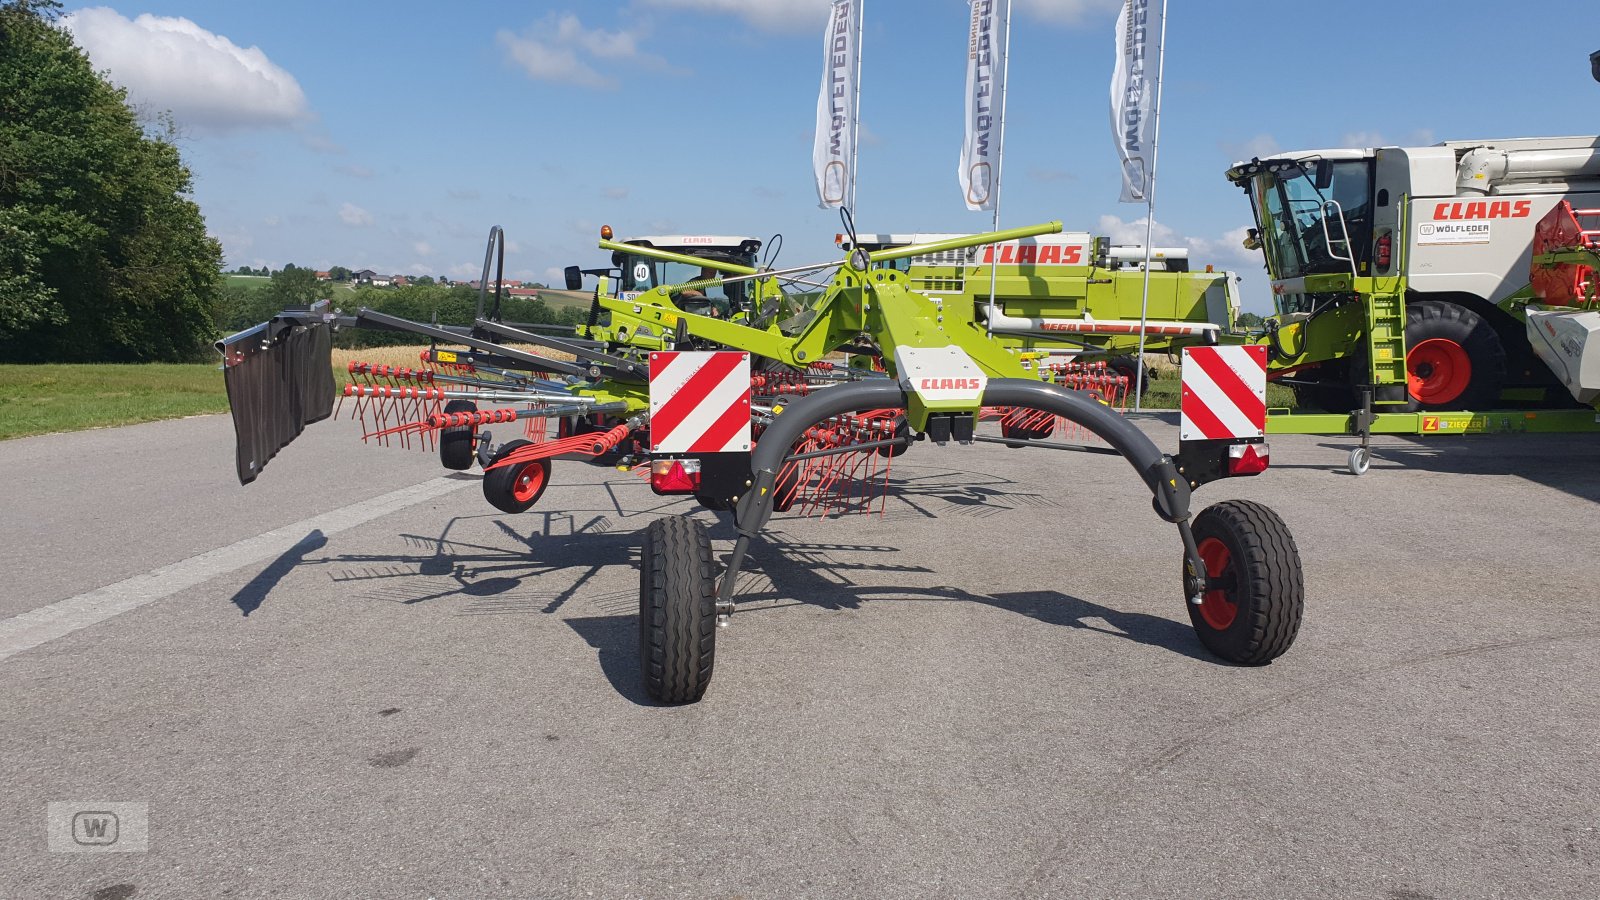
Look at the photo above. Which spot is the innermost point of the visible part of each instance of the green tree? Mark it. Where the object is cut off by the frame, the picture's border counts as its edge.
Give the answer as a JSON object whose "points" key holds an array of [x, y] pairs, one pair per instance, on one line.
{"points": [[103, 255], [293, 286], [339, 273]]}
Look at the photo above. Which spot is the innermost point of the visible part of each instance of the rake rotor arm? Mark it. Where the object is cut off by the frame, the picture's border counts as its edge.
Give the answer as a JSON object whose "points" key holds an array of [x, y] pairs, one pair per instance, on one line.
{"points": [[370, 318]]}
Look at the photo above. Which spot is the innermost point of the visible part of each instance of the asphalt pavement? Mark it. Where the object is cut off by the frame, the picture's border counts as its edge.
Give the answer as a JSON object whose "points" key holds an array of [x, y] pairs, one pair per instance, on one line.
{"points": [[354, 678]]}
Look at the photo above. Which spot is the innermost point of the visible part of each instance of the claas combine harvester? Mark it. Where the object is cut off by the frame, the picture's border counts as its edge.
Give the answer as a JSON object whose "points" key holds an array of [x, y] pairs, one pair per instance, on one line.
{"points": [[773, 400]]}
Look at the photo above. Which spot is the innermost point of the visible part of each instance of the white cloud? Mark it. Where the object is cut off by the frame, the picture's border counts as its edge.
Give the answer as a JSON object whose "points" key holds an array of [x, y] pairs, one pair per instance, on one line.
{"points": [[1262, 146], [1068, 12], [616, 193], [1226, 251], [205, 79], [272, 221], [768, 15], [466, 270], [422, 248], [1420, 137], [354, 216], [558, 48]]}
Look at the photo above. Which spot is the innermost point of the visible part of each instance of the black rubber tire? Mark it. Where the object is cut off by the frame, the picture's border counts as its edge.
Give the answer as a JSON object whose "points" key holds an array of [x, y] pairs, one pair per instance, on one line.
{"points": [[1432, 320], [503, 487], [458, 446], [902, 431], [1127, 368], [1018, 432], [1268, 589], [677, 610]]}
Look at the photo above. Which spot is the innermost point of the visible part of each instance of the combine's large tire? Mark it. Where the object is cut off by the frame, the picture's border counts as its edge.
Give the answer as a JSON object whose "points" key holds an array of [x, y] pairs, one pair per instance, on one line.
{"points": [[1252, 618], [677, 610], [515, 489], [1454, 359], [458, 445]]}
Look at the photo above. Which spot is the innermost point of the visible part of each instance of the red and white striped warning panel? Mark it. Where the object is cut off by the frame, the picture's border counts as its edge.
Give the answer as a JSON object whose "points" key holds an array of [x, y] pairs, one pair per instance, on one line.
{"points": [[1224, 393], [699, 402]]}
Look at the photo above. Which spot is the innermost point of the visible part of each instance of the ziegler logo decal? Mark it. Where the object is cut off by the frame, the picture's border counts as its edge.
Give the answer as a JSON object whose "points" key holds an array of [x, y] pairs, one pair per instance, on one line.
{"points": [[1437, 423], [950, 384], [1483, 209]]}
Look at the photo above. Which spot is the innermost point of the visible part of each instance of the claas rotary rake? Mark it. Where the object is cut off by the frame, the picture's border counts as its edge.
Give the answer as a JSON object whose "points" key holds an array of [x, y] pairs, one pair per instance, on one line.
{"points": [[744, 412]]}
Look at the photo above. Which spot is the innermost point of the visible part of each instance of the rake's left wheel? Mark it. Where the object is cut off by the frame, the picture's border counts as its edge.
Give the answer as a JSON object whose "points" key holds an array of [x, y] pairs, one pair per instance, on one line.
{"points": [[515, 489], [677, 610], [1251, 612]]}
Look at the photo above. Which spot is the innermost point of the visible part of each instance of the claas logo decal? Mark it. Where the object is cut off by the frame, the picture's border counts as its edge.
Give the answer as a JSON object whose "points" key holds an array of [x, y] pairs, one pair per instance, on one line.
{"points": [[1043, 255], [1483, 209], [949, 384]]}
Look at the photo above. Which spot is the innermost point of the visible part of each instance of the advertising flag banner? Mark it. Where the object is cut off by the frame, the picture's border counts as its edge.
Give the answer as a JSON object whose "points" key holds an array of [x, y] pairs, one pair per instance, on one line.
{"points": [[1133, 95], [980, 147], [833, 158]]}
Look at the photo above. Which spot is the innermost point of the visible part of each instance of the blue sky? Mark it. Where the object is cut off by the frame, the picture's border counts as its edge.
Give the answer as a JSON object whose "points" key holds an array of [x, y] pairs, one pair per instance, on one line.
{"points": [[391, 136]]}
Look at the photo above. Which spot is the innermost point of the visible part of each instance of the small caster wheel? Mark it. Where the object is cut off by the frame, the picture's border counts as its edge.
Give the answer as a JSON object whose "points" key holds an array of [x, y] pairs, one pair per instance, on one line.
{"points": [[458, 443], [1360, 460], [1256, 593], [515, 489]]}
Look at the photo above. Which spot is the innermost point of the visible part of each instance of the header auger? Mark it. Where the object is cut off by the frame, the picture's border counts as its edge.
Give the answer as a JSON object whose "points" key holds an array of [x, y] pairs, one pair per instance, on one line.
{"points": [[752, 410]]}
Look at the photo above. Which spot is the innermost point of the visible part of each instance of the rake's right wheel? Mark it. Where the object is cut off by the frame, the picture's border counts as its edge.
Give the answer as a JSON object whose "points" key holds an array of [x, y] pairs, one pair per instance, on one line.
{"points": [[1251, 612], [677, 610]]}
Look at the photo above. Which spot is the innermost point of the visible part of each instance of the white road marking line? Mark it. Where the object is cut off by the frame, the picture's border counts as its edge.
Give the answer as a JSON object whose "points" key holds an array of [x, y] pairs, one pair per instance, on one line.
{"points": [[31, 629]]}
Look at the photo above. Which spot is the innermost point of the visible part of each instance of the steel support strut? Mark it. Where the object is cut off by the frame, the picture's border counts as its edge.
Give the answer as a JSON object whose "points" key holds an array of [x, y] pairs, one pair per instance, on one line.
{"points": [[1157, 469]]}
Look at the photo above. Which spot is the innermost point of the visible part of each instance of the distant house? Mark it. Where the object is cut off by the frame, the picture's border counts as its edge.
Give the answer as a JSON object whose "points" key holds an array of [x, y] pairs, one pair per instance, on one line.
{"points": [[324, 276], [364, 276], [381, 281], [526, 293], [399, 281]]}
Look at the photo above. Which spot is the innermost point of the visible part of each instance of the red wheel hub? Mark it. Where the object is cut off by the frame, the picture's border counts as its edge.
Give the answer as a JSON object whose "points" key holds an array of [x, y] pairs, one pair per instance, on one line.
{"points": [[1438, 371], [528, 483], [1216, 607]]}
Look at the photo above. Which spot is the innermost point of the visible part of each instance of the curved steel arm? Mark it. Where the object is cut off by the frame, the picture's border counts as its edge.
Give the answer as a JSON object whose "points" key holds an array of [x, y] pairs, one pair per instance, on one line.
{"points": [[1157, 469]]}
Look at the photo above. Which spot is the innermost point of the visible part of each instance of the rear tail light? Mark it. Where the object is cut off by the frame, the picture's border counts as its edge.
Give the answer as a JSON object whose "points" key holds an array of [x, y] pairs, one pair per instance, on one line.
{"points": [[1247, 459], [675, 476]]}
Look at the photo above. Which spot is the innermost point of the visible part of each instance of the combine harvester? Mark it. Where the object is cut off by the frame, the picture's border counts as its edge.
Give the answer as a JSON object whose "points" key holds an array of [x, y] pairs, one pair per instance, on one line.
{"points": [[1432, 290], [742, 407]]}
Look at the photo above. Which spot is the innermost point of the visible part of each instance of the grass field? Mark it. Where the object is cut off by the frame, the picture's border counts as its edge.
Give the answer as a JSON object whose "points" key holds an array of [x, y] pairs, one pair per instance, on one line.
{"points": [[249, 282], [45, 399]]}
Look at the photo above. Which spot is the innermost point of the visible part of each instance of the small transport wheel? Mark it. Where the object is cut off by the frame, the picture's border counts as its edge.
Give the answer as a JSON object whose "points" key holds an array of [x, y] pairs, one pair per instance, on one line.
{"points": [[677, 610], [515, 489], [1360, 460], [1127, 368], [902, 432], [1252, 614], [1024, 425], [457, 445]]}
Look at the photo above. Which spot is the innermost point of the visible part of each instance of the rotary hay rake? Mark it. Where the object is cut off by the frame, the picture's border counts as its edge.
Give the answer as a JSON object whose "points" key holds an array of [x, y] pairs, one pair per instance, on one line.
{"points": [[744, 413]]}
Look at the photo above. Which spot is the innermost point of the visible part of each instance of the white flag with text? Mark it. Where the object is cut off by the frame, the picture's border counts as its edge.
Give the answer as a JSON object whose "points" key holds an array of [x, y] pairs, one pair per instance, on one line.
{"points": [[833, 157], [980, 147], [1133, 95]]}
